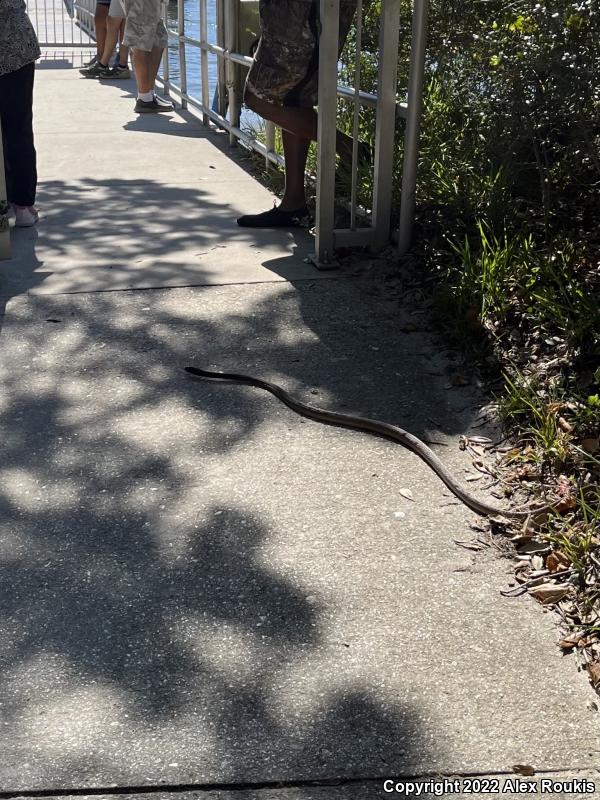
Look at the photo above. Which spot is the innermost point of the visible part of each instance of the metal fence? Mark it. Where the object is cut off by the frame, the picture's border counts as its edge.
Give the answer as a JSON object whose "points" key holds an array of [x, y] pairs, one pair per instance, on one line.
{"points": [[63, 23], [388, 107], [4, 229]]}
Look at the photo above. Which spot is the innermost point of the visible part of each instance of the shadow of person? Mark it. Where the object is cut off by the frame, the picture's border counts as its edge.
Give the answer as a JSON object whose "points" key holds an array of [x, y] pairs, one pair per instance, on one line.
{"points": [[20, 273]]}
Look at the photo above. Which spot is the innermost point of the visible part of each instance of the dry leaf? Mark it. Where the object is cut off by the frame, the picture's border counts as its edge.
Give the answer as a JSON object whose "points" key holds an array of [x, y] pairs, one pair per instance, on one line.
{"points": [[557, 561], [527, 544], [549, 592], [564, 425], [524, 769], [480, 440], [594, 673], [537, 562], [571, 641], [566, 504], [407, 494]]}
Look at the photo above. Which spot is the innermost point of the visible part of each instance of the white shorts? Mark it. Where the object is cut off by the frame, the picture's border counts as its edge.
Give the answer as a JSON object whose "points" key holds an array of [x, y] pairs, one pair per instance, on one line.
{"points": [[117, 9]]}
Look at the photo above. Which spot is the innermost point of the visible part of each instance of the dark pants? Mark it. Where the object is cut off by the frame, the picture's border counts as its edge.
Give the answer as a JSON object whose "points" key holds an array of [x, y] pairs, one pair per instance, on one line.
{"points": [[16, 113]]}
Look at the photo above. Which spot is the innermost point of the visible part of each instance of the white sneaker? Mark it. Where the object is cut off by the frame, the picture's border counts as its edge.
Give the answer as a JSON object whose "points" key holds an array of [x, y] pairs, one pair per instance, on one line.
{"points": [[25, 217]]}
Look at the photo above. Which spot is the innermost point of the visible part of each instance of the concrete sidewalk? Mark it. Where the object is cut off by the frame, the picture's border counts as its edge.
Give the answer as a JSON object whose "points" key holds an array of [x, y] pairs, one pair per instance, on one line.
{"points": [[198, 587]]}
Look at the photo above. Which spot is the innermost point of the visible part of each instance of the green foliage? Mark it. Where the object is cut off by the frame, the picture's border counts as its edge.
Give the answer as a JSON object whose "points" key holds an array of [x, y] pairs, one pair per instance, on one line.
{"points": [[509, 178]]}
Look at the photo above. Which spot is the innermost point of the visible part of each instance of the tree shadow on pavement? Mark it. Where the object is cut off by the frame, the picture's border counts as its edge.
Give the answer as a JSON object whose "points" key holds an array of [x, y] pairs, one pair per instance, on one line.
{"points": [[162, 621], [149, 633]]}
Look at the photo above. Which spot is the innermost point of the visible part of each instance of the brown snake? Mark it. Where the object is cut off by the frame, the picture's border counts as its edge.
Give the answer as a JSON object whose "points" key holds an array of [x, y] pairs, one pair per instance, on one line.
{"points": [[367, 425]]}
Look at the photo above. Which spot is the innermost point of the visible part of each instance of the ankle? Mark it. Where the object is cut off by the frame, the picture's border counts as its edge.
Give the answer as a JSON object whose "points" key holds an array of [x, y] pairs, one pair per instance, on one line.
{"points": [[292, 204]]}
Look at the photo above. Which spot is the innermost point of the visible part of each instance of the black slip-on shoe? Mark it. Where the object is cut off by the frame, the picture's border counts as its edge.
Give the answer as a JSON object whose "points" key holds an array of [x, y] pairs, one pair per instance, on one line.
{"points": [[276, 217], [154, 106]]}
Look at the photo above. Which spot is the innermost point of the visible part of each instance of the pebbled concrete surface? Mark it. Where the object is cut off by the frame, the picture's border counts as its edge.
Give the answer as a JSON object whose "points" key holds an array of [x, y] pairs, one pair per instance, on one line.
{"points": [[199, 586], [196, 585], [561, 786], [139, 201]]}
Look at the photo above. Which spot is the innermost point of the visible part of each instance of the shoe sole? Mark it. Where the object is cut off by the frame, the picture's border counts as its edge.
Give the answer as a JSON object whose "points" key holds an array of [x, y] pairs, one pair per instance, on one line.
{"points": [[153, 110]]}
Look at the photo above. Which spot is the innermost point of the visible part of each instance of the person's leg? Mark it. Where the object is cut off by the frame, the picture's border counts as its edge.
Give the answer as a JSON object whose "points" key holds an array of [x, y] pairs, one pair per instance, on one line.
{"points": [[16, 103], [146, 66], [16, 108], [282, 88], [100, 68], [300, 121], [113, 28], [145, 32], [123, 49], [292, 210], [100, 18], [295, 151]]}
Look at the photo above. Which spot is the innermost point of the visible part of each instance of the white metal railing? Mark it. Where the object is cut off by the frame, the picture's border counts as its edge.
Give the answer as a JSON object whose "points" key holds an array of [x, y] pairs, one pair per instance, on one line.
{"points": [[63, 23], [4, 229], [377, 234], [386, 104]]}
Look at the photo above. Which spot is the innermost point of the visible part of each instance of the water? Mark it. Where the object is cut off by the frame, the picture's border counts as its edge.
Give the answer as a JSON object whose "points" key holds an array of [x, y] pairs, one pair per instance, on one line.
{"points": [[192, 54]]}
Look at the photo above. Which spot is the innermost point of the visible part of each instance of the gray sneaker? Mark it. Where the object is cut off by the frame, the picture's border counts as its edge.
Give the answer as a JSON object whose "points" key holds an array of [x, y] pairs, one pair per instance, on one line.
{"points": [[154, 106], [117, 72]]}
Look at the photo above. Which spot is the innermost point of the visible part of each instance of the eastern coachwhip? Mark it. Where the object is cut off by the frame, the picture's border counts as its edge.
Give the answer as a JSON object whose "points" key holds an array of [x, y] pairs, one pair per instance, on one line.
{"points": [[367, 425]]}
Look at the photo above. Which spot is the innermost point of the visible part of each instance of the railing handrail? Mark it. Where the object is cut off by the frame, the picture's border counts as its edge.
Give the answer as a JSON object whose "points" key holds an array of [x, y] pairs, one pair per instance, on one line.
{"points": [[386, 102]]}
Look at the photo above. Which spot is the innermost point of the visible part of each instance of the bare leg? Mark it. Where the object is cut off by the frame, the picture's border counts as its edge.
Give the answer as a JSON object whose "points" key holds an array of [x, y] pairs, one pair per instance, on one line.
{"points": [[295, 150], [113, 27], [100, 18], [300, 121], [123, 49], [146, 68]]}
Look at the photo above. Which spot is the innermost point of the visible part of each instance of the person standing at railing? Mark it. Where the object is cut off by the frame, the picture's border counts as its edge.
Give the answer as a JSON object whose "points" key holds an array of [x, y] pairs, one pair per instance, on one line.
{"points": [[100, 17], [19, 50], [115, 26], [146, 33], [282, 87]]}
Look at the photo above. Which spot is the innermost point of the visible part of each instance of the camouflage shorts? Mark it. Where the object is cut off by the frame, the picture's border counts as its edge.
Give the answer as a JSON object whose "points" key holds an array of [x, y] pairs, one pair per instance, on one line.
{"points": [[286, 64], [145, 28]]}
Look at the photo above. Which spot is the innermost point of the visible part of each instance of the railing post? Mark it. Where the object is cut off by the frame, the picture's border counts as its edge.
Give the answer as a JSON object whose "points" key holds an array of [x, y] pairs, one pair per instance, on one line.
{"points": [[165, 57], [269, 142], [231, 27], [4, 229], [221, 66], [385, 125], [181, 46], [413, 120], [356, 115], [326, 133], [204, 59]]}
